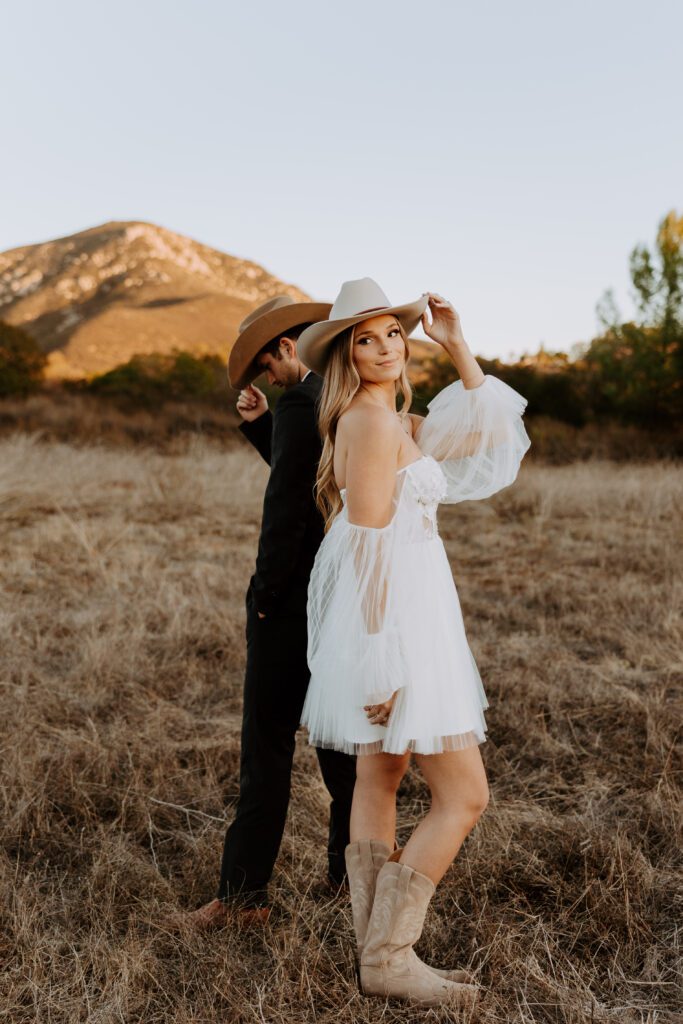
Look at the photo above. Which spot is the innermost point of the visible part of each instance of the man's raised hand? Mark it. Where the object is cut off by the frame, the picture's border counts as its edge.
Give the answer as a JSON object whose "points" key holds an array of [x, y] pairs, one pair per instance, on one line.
{"points": [[251, 403]]}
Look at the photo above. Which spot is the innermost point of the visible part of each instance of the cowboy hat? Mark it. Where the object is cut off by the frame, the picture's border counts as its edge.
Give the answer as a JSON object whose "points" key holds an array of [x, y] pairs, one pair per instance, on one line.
{"points": [[357, 301], [268, 321]]}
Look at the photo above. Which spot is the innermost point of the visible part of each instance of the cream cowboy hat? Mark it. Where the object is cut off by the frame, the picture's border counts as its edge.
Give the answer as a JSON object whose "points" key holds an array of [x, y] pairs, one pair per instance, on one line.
{"points": [[269, 320], [357, 301]]}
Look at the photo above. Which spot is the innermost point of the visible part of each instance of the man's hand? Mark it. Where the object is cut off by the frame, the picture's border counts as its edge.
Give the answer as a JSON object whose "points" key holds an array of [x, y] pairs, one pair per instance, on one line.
{"points": [[251, 403], [261, 615]]}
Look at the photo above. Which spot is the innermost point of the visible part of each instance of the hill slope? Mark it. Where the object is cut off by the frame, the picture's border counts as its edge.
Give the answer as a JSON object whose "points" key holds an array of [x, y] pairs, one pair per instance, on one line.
{"points": [[95, 298]]}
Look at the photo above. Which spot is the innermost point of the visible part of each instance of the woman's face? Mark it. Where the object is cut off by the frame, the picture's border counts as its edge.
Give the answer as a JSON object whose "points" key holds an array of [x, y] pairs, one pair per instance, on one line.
{"points": [[378, 349]]}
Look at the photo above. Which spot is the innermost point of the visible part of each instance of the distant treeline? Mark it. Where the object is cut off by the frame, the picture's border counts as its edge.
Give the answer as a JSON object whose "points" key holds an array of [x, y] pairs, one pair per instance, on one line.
{"points": [[632, 372]]}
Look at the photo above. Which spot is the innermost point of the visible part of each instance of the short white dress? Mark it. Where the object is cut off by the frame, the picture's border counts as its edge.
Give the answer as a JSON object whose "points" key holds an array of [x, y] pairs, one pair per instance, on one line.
{"points": [[383, 611]]}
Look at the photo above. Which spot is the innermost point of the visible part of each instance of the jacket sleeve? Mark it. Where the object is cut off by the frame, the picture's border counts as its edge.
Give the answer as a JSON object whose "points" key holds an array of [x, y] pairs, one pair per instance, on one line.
{"points": [[288, 499], [259, 432]]}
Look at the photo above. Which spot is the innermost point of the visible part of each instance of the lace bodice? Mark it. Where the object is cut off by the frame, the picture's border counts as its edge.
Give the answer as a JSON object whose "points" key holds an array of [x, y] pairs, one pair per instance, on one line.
{"points": [[420, 487], [424, 488]]}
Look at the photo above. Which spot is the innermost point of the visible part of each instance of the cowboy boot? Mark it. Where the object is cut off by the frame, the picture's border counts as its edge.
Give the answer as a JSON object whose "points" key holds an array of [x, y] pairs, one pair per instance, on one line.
{"points": [[363, 862], [389, 966]]}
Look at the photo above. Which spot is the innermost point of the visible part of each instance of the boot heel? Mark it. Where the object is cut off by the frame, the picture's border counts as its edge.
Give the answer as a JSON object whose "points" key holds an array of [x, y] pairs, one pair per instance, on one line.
{"points": [[372, 981]]}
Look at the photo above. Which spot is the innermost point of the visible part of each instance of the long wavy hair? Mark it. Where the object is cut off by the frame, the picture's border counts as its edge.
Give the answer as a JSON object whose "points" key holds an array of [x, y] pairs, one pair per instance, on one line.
{"points": [[341, 384]]}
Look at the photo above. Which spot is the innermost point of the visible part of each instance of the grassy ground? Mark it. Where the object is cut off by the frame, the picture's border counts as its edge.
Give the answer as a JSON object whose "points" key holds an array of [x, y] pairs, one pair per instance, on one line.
{"points": [[123, 578]]}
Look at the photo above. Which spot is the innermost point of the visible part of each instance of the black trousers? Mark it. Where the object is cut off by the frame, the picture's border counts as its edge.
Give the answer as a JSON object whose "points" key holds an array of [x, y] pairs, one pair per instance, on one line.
{"points": [[275, 685]]}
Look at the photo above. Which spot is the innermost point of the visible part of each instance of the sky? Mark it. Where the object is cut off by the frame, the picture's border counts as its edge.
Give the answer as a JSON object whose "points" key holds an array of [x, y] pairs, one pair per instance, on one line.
{"points": [[508, 156]]}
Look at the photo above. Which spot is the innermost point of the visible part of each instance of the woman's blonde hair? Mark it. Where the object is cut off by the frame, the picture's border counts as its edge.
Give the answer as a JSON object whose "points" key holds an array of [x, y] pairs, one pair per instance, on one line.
{"points": [[341, 384]]}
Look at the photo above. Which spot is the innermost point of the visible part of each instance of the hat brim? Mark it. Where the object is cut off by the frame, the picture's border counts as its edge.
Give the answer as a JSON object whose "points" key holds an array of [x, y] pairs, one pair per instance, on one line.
{"points": [[316, 341], [242, 367]]}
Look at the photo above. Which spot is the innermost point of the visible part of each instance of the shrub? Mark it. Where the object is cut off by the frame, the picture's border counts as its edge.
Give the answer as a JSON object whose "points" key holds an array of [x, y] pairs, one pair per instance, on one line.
{"points": [[21, 362], [155, 378], [552, 386]]}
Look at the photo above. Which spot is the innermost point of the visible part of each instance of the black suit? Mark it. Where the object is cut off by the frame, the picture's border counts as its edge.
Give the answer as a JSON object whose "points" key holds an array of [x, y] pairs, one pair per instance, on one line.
{"points": [[277, 673]]}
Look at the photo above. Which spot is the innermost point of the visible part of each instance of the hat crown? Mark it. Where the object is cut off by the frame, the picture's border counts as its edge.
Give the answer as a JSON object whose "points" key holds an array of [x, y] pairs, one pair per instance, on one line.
{"points": [[356, 297], [266, 307]]}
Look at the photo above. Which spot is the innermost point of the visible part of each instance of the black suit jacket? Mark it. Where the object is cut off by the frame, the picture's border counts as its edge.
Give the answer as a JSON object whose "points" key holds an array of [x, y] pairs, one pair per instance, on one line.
{"points": [[292, 527]]}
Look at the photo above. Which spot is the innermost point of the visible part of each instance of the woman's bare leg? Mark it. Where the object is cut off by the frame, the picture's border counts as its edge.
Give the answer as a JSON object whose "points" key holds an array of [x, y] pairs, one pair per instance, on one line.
{"points": [[457, 782], [373, 811]]}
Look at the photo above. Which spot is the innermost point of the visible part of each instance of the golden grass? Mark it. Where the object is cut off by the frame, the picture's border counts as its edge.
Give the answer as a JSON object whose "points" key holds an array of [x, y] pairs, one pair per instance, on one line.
{"points": [[122, 613]]}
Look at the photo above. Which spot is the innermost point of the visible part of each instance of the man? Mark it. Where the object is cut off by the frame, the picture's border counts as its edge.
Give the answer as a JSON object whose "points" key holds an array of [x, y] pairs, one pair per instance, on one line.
{"points": [[277, 673]]}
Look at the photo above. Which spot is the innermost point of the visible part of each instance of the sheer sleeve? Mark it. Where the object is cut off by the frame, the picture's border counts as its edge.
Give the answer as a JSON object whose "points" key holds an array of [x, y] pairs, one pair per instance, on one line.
{"points": [[477, 435], [352, 629]]}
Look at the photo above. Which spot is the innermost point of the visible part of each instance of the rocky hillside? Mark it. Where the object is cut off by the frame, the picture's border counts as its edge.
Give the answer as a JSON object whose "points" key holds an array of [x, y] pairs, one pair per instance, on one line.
{"points": [[94, 299]]}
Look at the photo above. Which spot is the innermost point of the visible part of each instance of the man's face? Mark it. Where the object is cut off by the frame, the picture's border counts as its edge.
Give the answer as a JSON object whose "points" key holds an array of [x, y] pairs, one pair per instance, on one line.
{"points": [[281, 369]]}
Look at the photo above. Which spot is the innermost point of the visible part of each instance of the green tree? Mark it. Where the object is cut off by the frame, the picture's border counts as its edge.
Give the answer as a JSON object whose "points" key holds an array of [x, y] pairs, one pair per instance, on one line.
{"points": [[636, 367], [658, 279], [21, 362]]}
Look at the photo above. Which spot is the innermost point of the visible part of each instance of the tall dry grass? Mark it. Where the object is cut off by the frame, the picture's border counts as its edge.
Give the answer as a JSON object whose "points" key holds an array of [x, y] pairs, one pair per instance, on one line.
{"points": [[122, 657]]}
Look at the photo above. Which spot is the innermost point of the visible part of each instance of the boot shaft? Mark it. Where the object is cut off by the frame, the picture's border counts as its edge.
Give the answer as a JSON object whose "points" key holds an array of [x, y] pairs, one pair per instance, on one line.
{"points": [[389, 966], [402, 896], [364, 859]]}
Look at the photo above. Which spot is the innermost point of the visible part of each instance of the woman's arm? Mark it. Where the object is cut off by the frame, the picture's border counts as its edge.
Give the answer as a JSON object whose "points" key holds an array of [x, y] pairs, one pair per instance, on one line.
{"points": [[373, 440], [446, 330]]}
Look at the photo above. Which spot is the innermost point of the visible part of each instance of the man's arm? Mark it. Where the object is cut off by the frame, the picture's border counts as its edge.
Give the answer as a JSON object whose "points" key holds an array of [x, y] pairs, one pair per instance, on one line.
{"points": [[257, 421], [259, 433], [287, 504]]}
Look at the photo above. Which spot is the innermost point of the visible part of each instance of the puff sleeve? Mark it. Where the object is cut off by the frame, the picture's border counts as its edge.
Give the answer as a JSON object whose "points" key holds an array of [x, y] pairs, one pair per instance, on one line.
{"points": [[478, 437]]}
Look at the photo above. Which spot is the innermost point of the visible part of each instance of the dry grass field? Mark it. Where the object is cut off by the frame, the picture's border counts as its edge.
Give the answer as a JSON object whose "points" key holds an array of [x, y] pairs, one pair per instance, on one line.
{"points": [[123, 575]]}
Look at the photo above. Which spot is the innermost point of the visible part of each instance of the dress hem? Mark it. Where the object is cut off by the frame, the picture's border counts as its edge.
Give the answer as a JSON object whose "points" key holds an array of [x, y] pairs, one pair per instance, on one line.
{"points": [[438, 745]]}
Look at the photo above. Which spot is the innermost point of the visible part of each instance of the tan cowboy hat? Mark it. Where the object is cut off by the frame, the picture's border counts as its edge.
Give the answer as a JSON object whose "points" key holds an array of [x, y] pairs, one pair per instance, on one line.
{"points": [[269, 320], [357, 301]]}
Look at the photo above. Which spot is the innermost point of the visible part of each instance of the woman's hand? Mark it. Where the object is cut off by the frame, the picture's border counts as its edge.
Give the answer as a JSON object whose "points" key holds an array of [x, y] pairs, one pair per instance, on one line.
{"points": [[445, 327], [378, 714]]}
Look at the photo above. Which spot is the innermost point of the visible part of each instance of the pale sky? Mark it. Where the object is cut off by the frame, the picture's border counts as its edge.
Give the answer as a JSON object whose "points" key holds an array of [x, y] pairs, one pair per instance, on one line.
{"points": [[507, 155]]}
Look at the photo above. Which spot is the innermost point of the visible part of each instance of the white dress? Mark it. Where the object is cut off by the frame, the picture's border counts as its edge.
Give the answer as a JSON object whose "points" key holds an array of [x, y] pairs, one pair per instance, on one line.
{"points": [[383, 611]]}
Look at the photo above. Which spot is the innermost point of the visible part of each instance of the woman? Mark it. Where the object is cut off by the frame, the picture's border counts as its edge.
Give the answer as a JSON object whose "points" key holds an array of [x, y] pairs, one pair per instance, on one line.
{"points": [[392, 674]]}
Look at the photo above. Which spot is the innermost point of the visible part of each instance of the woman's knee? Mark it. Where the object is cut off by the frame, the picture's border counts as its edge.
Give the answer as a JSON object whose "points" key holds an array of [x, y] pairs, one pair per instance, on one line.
{"points": [[467, 804], [475, 801], [479, 800]]}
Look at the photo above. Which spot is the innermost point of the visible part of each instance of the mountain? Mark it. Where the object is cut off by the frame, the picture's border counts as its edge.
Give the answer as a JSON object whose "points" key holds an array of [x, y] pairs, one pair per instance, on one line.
{"points": [[94, 299]]}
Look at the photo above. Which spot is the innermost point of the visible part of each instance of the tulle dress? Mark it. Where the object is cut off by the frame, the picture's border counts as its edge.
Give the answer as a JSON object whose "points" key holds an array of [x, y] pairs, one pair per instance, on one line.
{"points": [[383, 611]]}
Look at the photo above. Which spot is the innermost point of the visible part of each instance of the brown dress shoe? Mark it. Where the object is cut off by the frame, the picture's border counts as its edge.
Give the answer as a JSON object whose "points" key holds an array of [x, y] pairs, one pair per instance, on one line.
{"points": [[217, 914], [250, 917]]}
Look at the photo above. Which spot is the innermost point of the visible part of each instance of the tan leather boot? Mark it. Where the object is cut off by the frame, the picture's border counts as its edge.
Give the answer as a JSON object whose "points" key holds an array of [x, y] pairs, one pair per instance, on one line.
{"points": [[389, 966], [364, 860]]}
